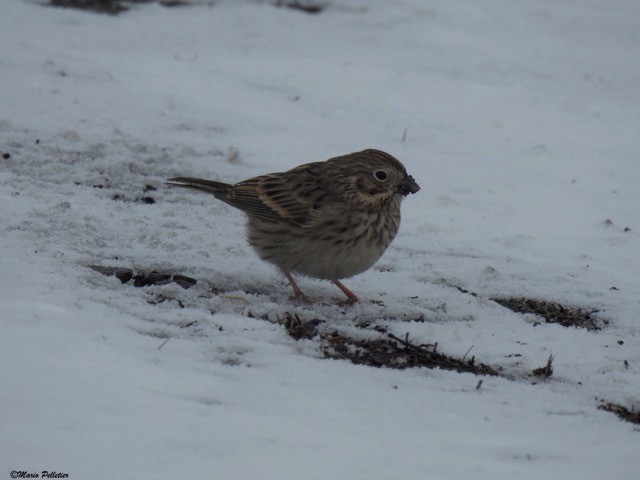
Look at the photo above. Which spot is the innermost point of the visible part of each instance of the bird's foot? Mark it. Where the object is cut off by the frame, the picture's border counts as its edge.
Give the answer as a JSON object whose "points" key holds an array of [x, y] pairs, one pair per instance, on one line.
{"points": [[351, 297]]}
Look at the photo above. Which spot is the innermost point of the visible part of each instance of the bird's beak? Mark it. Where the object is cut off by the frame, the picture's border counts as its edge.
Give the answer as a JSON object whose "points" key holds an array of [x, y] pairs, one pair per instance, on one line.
{"points": [[408, 185]]}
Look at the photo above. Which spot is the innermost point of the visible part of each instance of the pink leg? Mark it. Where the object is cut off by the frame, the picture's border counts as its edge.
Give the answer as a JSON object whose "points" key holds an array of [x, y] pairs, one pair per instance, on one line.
{"points": [[296, 290], [351, 297]]}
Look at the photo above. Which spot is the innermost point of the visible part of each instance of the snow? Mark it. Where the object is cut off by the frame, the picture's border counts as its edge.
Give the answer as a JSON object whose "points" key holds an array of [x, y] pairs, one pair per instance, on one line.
{"points": [[520, 124]]}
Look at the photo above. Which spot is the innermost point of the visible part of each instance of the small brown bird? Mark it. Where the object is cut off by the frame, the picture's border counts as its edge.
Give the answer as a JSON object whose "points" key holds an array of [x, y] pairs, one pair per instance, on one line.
{"points": [[328, 220]]}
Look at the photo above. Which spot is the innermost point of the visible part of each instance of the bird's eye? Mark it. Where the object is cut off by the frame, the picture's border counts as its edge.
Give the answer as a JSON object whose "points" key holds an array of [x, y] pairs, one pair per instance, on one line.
{"points": [[380, 175]]}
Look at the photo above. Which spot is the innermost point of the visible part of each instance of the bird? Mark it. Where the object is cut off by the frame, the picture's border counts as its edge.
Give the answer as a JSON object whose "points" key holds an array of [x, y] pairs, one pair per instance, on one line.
{"points": [[327, 220]]}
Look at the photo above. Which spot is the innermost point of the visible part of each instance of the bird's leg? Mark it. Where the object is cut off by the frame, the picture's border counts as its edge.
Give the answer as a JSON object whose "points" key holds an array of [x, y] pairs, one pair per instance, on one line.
{"points": [[296, 290], [351, 297]]}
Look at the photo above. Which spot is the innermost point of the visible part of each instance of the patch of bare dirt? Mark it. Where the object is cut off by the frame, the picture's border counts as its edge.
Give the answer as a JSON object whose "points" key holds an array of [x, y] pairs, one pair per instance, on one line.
{"points": [[395, 352], [145, 279], [629, 415], [553, 312], [114, 7]]}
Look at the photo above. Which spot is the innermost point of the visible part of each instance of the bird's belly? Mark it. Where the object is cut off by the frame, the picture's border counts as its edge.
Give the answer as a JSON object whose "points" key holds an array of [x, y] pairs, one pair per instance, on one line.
{"points": [[333, 262], [315, 254]]}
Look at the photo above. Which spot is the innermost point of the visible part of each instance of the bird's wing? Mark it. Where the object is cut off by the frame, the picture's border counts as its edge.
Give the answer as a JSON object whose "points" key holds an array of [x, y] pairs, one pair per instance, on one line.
{"points": [[293, 197]]}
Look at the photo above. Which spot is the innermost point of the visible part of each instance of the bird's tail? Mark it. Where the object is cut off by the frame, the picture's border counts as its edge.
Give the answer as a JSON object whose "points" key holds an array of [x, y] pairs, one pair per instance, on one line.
{"points": [[217, 189]]}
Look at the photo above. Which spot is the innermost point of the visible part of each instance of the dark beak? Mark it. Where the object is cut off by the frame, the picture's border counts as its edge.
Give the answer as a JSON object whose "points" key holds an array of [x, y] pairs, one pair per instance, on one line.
{"points": [[408, 185]]}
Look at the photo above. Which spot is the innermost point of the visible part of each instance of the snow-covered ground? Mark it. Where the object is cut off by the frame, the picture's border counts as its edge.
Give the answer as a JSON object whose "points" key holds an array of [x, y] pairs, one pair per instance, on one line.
{"points": [[518, 119]]}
